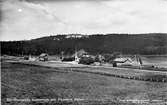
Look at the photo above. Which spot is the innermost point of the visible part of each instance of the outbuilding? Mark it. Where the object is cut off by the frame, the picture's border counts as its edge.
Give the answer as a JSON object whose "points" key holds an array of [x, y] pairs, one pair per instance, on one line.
{"points": [[43, 57]]}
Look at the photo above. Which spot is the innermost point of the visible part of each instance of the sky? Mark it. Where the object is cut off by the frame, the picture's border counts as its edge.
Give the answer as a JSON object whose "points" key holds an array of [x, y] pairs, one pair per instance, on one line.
{"points": [[29, 19]]}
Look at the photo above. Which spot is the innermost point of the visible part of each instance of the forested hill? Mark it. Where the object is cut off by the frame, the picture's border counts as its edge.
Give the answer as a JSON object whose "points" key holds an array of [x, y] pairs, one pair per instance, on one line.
{"points": [[127, 44]]}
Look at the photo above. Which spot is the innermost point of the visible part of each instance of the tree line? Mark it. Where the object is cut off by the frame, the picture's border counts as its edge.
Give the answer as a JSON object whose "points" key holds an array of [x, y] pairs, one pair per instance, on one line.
{"points": [[146, 44]]}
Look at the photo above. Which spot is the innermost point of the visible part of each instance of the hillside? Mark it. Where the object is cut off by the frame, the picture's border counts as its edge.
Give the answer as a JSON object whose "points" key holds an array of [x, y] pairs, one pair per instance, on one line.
{"points": [[146, 44]]}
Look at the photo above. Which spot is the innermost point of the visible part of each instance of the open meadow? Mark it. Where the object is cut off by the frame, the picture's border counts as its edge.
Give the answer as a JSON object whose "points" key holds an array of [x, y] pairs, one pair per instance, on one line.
{"points": [[34, 82], [159, 61]]}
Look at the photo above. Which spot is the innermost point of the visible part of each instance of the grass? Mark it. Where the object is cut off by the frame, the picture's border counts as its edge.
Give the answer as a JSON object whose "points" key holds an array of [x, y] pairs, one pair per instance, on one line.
{"points": [[25, 81]]}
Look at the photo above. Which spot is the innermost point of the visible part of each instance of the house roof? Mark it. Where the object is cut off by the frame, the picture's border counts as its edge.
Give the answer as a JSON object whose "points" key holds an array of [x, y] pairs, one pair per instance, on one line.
{"points": [[80, 53], [43, 54], [122, 60]]}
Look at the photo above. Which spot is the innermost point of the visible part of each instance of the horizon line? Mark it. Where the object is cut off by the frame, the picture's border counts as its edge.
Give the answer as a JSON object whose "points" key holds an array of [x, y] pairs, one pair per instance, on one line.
{"points": [[81, 34]]}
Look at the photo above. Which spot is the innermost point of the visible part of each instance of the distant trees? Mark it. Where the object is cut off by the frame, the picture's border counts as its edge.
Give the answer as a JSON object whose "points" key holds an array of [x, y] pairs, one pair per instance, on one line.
{"points": [[94, 44], [110, 57]]}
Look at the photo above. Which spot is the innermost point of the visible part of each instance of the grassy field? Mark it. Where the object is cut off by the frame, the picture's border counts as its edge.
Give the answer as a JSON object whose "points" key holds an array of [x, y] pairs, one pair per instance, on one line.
{"points": [[32, 82], [158, 61]]}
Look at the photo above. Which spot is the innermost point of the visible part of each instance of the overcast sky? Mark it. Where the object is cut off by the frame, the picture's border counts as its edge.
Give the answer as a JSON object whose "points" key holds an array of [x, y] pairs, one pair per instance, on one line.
{"points": [[29, 19]]}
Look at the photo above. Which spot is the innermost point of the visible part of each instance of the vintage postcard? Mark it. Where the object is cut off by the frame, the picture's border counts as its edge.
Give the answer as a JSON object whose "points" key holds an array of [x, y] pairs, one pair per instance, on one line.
{"points": [[83, 52]]}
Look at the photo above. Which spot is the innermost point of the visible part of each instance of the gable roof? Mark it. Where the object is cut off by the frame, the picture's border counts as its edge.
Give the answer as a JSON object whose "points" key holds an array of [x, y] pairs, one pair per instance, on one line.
{"points": [[43, 55]]}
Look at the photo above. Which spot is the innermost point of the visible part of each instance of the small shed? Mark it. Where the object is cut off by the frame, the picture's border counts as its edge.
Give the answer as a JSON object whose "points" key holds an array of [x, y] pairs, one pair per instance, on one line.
{"points": [[43, 57]]}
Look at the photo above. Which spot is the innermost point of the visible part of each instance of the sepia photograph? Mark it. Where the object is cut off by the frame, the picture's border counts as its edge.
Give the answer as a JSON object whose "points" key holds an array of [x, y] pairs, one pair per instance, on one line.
{"points": [[83, 52]]}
